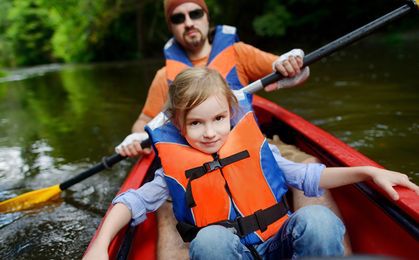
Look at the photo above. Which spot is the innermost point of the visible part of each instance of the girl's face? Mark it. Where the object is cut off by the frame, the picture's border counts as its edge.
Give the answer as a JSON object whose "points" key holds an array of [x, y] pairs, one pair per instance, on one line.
{"points": [[208, 124]]}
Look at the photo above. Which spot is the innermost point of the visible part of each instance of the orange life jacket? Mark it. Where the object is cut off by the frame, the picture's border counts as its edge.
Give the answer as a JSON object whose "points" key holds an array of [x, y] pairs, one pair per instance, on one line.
{"points": [[241, 182]]}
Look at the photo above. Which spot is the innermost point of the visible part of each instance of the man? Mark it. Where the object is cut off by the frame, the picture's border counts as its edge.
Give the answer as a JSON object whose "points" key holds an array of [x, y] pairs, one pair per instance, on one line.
{"points": [[194, 44]]}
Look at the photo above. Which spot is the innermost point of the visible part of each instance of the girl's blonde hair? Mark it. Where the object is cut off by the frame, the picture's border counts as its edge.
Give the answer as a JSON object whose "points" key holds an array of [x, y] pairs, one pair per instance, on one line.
{"points": [[193, 86]]}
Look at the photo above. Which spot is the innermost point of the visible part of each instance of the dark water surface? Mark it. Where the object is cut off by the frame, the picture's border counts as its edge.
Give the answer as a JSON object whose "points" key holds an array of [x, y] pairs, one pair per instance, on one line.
{"points": [[56, 121]]}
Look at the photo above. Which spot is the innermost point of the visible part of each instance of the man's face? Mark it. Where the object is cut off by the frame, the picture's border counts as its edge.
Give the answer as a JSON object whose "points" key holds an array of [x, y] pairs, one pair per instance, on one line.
{"points": [[192, 32]]}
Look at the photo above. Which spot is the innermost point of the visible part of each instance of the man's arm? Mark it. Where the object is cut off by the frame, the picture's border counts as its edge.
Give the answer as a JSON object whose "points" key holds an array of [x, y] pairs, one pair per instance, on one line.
{"points": [[252, 63], [156, 98]]}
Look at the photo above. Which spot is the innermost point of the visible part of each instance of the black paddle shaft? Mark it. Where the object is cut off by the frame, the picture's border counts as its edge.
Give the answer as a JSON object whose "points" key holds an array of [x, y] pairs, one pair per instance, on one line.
{"points": [[346, 40], [107, 163]]}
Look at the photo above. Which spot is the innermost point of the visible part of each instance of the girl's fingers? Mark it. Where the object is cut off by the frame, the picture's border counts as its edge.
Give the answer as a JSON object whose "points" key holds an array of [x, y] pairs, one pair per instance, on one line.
{"points": [[400, 180], [408, 184], [137, 146], [122, 152], [132, 150], [125, 152], [391, 192], [135, 149], [140, 150]]}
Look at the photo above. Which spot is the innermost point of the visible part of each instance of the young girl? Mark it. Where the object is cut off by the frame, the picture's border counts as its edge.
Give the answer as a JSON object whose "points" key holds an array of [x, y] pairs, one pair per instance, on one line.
{"points": [[227, 183]]}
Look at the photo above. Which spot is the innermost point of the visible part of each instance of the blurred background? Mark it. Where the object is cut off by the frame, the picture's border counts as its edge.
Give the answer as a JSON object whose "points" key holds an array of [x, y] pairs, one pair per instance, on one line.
{"points": [[74, 75]]}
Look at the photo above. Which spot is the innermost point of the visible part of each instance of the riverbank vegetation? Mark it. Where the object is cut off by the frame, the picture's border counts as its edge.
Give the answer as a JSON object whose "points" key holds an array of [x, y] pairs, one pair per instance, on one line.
{"points": [[72, 31]]}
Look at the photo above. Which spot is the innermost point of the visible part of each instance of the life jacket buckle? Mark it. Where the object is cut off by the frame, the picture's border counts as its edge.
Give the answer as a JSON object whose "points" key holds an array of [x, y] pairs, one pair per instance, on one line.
{"points": [[210, 166], [236, 224]]}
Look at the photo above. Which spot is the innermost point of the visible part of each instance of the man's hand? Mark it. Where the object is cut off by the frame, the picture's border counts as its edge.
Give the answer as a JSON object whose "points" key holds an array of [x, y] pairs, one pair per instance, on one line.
{"points": [[289, 65]]}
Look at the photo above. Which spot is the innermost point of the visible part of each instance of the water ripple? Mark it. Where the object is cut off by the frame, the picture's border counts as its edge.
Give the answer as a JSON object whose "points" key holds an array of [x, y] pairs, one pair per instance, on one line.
{"points": [[25, 73]]}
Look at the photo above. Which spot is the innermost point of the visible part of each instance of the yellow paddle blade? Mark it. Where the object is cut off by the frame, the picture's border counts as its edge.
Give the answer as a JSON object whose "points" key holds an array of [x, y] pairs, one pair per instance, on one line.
{"points": [[30, 199]]}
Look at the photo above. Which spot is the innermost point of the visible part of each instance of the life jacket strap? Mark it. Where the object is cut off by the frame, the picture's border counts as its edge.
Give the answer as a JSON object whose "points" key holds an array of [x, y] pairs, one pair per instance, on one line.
{"points": [[187, 231], [242, 226], [207, 167], [260, 220], [199, 171]]}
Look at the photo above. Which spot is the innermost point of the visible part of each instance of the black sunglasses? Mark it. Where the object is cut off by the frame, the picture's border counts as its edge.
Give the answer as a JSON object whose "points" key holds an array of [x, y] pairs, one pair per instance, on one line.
{"points": [[180, 17]]}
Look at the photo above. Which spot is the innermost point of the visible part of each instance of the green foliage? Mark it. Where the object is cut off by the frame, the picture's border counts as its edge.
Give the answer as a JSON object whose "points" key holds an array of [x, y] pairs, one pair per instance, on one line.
{"points": [[107, 30], [118, 41], [29, 32], [2, 74], [77, 35], [215, 8], [6, 53], [274, 21], [5, 46], [70, 41], [43, 31], [152, 30]]}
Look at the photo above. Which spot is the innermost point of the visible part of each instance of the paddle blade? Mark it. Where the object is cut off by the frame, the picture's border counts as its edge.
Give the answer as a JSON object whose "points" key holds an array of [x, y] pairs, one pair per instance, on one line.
{"points": [[30, 199]]}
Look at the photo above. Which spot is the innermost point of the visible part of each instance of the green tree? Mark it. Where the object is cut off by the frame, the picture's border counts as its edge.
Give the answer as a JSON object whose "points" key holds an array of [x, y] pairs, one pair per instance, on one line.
{"points": [[29, 32], [107, 30], [78, 28], [43, 31], [274, 21], [5, 46]]}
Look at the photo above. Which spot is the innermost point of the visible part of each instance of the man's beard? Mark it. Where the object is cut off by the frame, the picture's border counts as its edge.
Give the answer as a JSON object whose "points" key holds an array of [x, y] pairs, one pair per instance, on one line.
{"points": [[195, 42]]}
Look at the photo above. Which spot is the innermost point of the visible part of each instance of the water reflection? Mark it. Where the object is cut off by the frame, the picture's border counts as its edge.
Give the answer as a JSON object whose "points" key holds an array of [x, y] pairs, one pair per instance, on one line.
{"points": [[53, 127], [11, 165], [26, 73]]}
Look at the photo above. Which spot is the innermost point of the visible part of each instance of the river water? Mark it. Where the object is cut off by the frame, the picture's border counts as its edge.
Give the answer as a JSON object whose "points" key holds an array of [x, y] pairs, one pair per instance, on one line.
{"points": [[56, 121]]}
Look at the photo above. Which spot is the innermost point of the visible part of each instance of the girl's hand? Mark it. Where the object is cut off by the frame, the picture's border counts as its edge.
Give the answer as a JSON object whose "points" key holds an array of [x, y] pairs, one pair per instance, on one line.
{"points": [[388, 179], [96, 252], [131, 146]]}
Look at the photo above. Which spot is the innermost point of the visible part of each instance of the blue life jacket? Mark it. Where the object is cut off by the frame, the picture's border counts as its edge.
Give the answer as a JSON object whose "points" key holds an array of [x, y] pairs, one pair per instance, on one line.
{"points": [[222, 57]]}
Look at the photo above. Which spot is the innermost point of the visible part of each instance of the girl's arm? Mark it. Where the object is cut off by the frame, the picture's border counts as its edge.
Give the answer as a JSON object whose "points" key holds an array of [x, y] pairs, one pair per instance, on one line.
{"points": [[338, 176], [132, 204], [118, 217]]}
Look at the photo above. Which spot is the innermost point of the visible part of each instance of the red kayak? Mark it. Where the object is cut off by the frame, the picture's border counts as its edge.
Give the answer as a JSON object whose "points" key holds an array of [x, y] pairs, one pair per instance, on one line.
{"points": [[376, 225]]}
